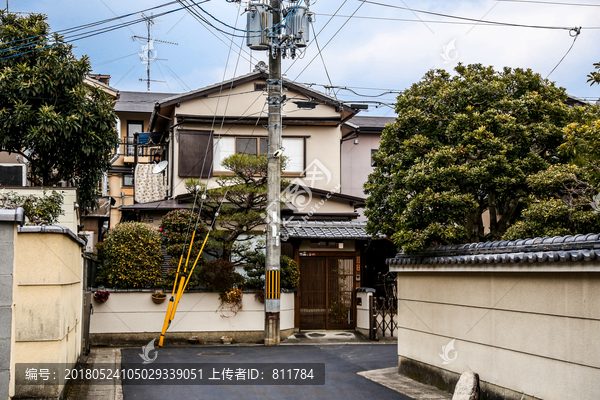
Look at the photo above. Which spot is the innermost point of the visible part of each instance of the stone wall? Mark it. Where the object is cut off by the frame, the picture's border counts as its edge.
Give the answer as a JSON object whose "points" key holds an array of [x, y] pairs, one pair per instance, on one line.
{"points": [[524, 315]]}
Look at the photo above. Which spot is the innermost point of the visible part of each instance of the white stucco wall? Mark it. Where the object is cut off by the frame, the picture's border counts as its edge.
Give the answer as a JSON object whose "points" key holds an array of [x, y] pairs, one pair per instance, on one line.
{"points": [[197, 312], [530, 331]]}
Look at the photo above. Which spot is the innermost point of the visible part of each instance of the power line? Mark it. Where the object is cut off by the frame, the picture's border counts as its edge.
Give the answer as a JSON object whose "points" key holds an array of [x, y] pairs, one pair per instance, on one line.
{"points": [[577, 31], [89, 25], [334, 35], [551, 2], [400, 19], [324, 26], [480, 21], [321, 54], [241, 49], [113, 60], [43, 39]]}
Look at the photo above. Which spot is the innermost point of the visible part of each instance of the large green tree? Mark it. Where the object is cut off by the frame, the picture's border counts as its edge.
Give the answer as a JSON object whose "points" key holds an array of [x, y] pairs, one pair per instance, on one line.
{"points": [[467, 146], [63, 127]]}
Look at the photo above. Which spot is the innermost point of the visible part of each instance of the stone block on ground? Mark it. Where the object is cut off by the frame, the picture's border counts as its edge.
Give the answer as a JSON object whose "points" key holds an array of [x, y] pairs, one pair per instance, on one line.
{"points": [[467, 387]]}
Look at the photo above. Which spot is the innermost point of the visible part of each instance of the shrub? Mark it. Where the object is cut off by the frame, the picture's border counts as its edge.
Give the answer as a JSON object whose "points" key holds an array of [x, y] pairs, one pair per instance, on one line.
{"points": [[39, 210], [219, 276], [130, 256], [255, 269], [174, 229]]}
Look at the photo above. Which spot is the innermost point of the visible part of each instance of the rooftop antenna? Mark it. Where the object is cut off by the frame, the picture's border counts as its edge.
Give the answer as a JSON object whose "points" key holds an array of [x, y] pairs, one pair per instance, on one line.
{"points": [[148, 54]]}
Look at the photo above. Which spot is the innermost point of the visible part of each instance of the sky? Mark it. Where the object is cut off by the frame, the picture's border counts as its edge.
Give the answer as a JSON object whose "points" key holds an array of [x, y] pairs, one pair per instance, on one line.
{"points": [[367, 47]]}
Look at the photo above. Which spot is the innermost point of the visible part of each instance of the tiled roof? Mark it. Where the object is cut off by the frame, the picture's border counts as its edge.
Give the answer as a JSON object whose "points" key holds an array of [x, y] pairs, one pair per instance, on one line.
{"points": [[325, 230], [139, 101], [549, 249], [365, 121]]}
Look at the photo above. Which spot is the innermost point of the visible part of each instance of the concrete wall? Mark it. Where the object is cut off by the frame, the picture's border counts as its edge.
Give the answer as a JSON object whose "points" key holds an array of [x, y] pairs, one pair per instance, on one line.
{"points": [[8, 232], [363, 316], [527, 332], [47, 302], [133, 317]]}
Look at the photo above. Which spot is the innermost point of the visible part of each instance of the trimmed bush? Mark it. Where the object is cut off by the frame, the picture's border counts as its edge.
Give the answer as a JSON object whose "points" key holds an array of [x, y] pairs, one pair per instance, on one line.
{"points": [[39, 210], [130, 256]]}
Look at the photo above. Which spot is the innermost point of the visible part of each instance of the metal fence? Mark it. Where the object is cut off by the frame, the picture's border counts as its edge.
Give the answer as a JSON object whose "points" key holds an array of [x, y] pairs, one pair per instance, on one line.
{"points": [[384, 317]]}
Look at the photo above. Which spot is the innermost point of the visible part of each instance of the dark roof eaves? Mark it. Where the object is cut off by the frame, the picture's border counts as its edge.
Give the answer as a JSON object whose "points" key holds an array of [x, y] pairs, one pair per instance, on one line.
{"points": [[558, 248]]}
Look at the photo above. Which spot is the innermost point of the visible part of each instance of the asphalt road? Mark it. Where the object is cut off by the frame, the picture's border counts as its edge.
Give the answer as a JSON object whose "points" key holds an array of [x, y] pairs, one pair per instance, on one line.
{"points": [[342, 362]]}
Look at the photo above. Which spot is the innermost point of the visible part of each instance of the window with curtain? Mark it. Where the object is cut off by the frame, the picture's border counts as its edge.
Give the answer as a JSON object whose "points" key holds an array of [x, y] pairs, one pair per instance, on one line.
{"points": [[226, 146]]}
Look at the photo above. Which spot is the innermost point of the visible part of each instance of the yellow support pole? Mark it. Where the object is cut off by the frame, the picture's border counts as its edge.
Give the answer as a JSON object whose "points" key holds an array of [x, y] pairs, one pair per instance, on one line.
{"points": [[172, 309], [179, 294]]}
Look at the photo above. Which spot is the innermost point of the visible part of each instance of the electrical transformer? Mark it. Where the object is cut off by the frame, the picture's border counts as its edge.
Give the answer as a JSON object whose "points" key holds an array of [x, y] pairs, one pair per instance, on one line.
{"points": [[260, 20], [298, 25]]}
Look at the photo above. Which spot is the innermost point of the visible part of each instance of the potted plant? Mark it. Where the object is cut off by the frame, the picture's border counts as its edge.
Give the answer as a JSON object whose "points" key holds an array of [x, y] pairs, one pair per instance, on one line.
{"points": [[101, 296], [226, 339], [158, 297]]}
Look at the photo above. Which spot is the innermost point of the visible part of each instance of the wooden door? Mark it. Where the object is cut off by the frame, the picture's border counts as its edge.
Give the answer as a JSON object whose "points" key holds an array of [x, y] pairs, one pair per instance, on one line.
{"points": [[326, 292], [340, 296]]}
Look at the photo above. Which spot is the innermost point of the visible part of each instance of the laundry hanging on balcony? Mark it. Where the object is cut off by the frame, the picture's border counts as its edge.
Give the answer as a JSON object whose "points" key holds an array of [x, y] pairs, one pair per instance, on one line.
{"points": [[148, 186]]}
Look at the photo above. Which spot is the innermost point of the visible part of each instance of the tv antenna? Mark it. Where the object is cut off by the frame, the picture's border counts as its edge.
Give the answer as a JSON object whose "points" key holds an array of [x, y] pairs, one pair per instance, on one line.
{"points": [[148, 54]]}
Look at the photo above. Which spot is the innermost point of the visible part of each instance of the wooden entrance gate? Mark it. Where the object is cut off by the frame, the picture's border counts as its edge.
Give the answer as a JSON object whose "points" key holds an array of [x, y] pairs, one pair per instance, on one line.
{"points": [[327, 286]]}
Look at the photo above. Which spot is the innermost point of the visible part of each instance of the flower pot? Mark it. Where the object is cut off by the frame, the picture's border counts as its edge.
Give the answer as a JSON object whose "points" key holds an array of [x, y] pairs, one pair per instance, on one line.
{"points": [[158, 299], [226, 339], [101, 296]]}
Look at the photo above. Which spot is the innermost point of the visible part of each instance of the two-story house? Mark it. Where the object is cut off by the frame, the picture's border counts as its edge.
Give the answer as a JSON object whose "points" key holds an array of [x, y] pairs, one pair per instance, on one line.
{"points": [[199, 129]]}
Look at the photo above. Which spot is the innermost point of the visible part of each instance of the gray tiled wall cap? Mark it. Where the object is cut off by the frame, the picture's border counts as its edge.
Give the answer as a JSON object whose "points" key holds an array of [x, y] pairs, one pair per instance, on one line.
{"points": [[549, 249], [17, 216], [52, 229]]}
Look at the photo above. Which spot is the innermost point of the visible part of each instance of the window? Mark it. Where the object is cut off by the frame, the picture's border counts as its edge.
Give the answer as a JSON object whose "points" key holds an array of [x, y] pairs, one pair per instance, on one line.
{"points": [[250, 146], [127, 179], [226, 146], [192, 150], [12, 175], [373, 163], [133, 127], [294, 151]]}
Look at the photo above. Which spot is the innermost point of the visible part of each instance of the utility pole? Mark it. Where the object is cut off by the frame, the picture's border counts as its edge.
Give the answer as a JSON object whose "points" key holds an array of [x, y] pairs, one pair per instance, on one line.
{"points": [[273, 256], [267, 31]]}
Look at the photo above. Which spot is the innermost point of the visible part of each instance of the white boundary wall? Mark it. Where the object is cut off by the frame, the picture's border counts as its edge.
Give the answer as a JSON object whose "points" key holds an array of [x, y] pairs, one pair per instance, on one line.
{"points": [[197, 312]]}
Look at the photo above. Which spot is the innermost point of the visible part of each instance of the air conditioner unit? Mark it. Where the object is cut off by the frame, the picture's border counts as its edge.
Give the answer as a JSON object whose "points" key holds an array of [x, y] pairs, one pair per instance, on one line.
{"points": [[13, 175]]}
